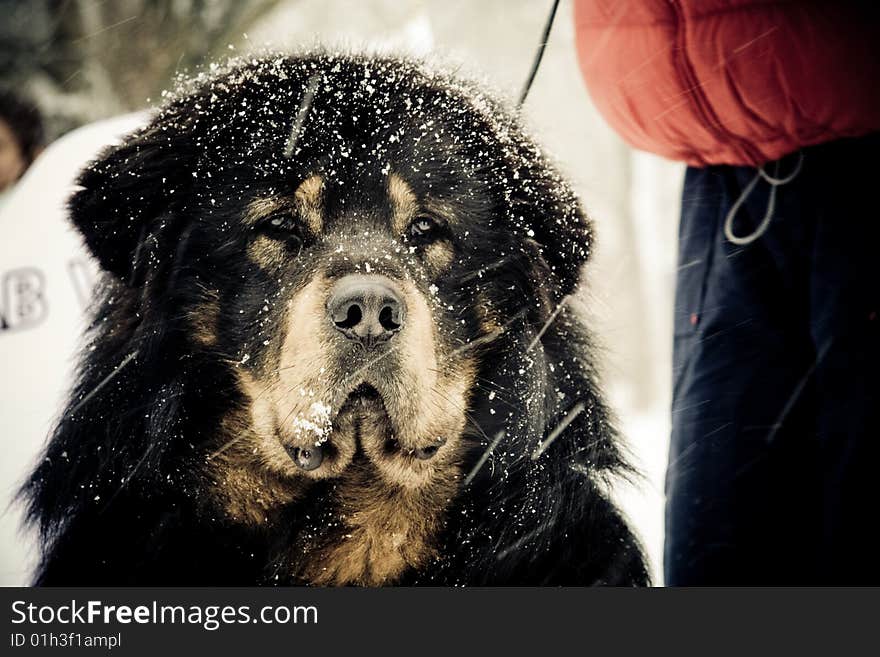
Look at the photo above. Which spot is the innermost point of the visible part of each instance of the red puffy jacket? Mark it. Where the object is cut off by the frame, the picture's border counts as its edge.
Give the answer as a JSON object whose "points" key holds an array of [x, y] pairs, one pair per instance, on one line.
{"points": [[731, 81]]}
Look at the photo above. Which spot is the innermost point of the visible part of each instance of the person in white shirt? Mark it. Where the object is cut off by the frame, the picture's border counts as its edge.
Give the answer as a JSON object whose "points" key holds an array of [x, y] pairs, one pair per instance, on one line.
{"points": [[46, 280]]}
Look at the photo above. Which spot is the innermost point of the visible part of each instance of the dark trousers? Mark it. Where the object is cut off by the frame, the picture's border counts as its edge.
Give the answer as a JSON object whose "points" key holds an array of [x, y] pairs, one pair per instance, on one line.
{"points": [[774, 466]]}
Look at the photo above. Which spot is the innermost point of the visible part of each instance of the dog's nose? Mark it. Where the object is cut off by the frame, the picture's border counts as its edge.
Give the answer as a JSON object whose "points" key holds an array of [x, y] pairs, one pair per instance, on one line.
{"points": [[368, 309]]}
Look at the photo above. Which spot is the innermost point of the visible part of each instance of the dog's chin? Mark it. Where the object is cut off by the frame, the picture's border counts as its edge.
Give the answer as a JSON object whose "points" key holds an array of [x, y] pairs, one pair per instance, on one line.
{"points": [[326, 442], [364, 398], [364, 411], [363, 405]]}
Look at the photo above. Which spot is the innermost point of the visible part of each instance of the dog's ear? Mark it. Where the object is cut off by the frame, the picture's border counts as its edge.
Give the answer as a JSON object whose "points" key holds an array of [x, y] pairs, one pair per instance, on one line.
{"points": [[546, 208], [122, 193]]}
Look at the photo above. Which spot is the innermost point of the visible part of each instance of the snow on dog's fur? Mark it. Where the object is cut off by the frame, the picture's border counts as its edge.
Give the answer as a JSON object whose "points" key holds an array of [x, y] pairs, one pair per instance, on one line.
{"points": [[233, 425]]}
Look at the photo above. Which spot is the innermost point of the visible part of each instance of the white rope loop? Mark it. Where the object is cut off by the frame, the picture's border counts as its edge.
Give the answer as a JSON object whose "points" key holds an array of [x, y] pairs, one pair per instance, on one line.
{"points": [[774, 181]]}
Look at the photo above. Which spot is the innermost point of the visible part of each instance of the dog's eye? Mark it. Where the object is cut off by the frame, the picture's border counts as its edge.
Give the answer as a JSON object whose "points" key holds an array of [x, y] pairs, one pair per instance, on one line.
{"points": [[281, 225], [424, 229]]}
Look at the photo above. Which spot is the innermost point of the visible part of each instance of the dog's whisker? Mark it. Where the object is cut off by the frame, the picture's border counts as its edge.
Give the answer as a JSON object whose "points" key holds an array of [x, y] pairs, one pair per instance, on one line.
{"points": [[370, 364], [497, 385], [484, 389], [484, 457], [104, 381], [498, 397], [128, 477], [464, 411], [589, 445], [488, 337], [224, 447], [576, 410], [522, 540], [477, 342], [549, 321], [484, 270], [336, 400]]}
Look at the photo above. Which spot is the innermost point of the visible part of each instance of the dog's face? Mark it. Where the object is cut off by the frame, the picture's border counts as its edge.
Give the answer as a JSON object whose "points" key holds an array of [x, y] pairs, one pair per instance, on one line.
{"points": [[354, 242], [350, 334]]}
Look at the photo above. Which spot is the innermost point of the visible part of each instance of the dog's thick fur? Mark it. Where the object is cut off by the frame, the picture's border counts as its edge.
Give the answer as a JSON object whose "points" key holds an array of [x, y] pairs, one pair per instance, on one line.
{"points": [[469, 450]]}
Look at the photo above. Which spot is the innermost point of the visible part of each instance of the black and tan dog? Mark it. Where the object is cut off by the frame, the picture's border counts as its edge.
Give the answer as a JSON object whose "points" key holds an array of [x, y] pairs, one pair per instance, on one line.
{"points": [[332, 347]]}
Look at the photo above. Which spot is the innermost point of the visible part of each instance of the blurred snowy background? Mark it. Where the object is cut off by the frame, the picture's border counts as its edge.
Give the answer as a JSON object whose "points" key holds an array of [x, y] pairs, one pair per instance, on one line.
{"points": [[88, 60]]}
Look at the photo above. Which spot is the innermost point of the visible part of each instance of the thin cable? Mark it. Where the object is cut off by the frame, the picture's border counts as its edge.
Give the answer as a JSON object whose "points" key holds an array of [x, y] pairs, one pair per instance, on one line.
{"points": [[539, 56]]}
